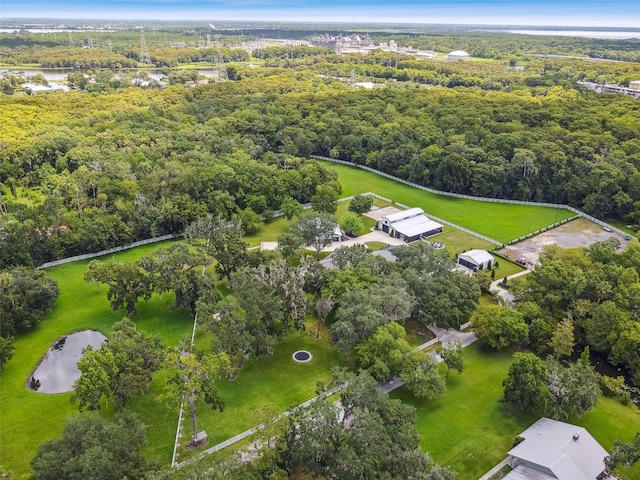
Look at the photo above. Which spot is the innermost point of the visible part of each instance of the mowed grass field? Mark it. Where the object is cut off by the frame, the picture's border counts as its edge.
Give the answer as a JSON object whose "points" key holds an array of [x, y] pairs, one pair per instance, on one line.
{"points": [[500, 221], [469, 430], [28, 418], [278, 381]]}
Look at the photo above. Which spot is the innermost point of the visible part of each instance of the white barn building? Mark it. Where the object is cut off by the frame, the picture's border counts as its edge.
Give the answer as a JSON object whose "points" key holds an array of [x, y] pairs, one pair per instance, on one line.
{"points": [[476, 260], [458, 55], [553, 450], [409, 225]]}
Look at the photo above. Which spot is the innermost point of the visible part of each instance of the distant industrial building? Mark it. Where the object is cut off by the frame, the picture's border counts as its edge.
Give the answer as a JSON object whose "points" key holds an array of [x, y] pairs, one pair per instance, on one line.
{"points": [[409, 225], [458, 55], [633, 90]]}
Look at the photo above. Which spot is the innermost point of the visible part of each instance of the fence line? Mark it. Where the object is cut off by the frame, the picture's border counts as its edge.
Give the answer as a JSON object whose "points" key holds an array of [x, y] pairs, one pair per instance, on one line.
{"points": [[251, 431], [471, 197], [102, 253], [441, 220], [433, 341]]}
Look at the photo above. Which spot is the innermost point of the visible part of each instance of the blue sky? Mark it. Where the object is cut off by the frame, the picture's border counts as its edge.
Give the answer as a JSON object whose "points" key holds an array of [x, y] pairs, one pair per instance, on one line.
{"points": [[611, 13]]}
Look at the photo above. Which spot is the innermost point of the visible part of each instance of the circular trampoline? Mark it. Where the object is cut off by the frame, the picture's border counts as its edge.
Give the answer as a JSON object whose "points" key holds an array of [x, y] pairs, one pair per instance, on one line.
{"points": [[302, 356]]}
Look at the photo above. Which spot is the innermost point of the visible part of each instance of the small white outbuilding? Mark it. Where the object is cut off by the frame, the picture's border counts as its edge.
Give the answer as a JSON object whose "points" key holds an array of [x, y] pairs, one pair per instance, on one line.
{"points": [[476, 260]]}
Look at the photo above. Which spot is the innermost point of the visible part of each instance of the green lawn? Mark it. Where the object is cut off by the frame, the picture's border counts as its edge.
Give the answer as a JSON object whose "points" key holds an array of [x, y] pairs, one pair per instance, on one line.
{"points": [[505, 268], [458, 241], [469, 430], [501, 221], [486, 299], [29, 418], [277, 380], [268, 232], [367, 223], [375, 246]]}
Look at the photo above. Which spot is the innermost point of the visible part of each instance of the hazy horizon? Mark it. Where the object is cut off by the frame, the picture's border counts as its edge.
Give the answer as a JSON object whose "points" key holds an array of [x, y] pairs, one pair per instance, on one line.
{"points": [[568, 13]]}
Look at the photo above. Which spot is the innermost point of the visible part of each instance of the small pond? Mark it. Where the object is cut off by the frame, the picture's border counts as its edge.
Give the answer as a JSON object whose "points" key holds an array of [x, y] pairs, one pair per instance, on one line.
{"points": [[58, 370]]}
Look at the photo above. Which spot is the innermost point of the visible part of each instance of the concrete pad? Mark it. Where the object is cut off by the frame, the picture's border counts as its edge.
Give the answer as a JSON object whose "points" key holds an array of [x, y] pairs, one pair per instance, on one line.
{"points": [[374, 236], [382, 212], [268, 246]]}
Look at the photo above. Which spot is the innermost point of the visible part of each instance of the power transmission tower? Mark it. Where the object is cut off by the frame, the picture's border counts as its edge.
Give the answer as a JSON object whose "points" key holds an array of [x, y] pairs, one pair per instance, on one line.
{"points": [[218, 67], [352, 78], [144, 51], [208, 44], [70, 40]]}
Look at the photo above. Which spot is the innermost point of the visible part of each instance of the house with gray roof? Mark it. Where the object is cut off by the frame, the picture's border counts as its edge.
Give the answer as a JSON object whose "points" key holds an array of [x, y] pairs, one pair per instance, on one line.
{"points": [[553, 450]]}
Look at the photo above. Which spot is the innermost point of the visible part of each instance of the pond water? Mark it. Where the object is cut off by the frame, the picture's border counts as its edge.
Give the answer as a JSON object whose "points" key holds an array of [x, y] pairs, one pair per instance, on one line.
{"points": [[58, 370], [601, 364]]}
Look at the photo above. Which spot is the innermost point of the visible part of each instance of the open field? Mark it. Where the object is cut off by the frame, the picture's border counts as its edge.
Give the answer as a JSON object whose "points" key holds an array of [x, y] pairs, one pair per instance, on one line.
{"points": [[501, 221], [458, 241], [469, 430], [276, 380], [27, 415]]}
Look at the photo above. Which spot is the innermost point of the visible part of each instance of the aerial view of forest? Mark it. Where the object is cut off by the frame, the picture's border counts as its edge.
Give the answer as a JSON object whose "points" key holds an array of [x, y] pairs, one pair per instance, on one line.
{"points": [[271, 250]]}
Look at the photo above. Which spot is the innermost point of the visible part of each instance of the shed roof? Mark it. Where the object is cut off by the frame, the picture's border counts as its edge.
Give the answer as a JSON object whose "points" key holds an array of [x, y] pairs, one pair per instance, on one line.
{"points": [[568, 451], [478, 257]]}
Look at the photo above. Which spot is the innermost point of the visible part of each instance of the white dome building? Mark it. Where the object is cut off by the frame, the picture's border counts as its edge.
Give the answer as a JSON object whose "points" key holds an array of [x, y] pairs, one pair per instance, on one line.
{"points": [[458, 55]]}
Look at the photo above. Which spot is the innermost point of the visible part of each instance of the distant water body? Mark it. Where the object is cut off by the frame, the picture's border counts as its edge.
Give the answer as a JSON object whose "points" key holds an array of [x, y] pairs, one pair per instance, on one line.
{"points": [[617, 35]]}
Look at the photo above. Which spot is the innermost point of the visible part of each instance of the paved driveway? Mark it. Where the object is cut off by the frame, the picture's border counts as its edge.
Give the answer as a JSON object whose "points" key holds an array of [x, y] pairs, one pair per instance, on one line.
{"points": [[374, 236]]}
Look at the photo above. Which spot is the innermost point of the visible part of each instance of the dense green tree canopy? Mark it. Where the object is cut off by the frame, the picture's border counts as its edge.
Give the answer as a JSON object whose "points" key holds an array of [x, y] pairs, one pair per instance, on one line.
{"points": [[120, 369], [524, 387], [25, 296], [500, 327], [93, 447], [379, 440], [597, 288]]}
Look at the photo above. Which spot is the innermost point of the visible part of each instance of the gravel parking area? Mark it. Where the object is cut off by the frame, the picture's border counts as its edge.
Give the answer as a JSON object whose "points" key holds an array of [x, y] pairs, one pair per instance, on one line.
{"points": [[577, 233]]}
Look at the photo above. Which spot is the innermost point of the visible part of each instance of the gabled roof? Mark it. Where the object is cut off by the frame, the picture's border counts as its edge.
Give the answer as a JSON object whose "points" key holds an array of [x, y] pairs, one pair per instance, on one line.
{"points": [[395, 217], [417, 225], [569, 452], [478, 256]]}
